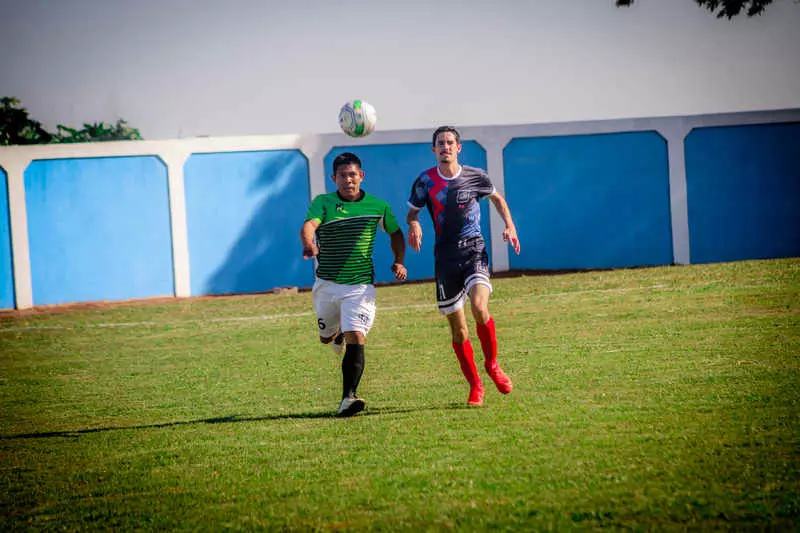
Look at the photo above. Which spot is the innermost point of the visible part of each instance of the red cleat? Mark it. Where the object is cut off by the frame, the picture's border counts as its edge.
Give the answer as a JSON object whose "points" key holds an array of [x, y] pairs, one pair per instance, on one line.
{"points": [[475, 396], [501, 381]]}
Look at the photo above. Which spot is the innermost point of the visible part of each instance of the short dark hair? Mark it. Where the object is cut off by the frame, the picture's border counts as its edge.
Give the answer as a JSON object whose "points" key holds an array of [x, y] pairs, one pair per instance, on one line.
{"points": [[346, 158], [446, 129]]}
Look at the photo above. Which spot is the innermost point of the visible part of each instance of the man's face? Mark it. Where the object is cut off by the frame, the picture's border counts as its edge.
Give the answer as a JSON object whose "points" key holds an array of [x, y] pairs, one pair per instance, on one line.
{"points": [[348, 180], [447, 147]]}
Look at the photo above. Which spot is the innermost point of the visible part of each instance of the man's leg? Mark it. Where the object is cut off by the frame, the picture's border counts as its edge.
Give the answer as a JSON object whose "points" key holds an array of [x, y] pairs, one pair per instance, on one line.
{"points": [[465, 355], [352, 363], [325, 298], [358, 315], [484, 324], [337, 343], [352, 370]]}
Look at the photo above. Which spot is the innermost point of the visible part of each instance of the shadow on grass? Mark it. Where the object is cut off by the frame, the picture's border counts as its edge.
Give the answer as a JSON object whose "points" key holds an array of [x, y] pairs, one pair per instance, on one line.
{"points": [[377, 411]]}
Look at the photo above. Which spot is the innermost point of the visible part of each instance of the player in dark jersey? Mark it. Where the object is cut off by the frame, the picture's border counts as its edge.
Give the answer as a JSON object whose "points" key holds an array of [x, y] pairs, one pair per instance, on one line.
{"points": [[339, 230], [451, 193]]}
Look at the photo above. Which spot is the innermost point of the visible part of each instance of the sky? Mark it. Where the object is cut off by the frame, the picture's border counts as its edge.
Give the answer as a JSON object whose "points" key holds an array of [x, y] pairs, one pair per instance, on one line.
{"points": [[185, 68]]}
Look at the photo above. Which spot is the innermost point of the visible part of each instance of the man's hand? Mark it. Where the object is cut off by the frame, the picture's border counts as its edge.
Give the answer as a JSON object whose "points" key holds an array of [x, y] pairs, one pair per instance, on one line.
{"points": [[400, 272], [310, 248], [415, 235], [510, 233], [510, 236], [310, 251]]}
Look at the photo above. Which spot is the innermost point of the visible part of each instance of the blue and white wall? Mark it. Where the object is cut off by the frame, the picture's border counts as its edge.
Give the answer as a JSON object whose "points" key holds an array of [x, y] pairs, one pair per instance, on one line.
{"points": [[6, 271], [113, 221], [743, 189]]}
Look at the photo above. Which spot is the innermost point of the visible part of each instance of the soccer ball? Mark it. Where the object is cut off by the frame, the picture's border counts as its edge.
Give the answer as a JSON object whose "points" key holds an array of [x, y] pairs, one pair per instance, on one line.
{"points": [[357, 118]]}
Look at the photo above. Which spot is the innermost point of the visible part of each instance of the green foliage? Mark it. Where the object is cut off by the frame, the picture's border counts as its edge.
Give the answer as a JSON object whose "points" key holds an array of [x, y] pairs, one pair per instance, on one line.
{"points": [[97, 132], [651, 399], [724, 8], [16, 127]]}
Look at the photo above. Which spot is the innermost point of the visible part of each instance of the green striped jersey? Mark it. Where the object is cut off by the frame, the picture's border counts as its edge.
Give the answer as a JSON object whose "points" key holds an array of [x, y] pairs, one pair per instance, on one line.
{"points": [[346, 236]]}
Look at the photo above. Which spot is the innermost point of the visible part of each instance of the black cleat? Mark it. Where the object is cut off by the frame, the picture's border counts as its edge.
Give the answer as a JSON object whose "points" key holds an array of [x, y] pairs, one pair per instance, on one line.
{"points": [[351, 406]]}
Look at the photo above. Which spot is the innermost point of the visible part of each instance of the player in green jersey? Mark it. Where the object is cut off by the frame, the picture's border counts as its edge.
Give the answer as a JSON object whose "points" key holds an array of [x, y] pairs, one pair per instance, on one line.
{"points": [[339, 230]]}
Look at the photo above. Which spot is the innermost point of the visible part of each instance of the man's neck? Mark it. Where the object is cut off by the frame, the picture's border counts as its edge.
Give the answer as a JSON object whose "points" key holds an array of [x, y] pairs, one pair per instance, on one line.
{"points": [[354, 198], [449, 170]]}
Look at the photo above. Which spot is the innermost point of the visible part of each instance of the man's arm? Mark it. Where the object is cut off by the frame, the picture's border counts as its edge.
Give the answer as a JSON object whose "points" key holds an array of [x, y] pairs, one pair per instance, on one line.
{"points": [[310, 248], [510, 233], [398, 243], [414, 229]]}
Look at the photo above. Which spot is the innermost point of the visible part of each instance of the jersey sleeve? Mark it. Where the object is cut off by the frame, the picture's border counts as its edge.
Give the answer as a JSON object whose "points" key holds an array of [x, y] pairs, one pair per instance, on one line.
{"points": [[389, 223], [419, 194], [316, 211], [485, 185]]}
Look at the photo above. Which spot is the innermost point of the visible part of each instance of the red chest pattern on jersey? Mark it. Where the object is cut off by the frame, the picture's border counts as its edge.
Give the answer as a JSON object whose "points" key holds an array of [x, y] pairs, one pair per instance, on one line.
{"points": [[438, 184]]}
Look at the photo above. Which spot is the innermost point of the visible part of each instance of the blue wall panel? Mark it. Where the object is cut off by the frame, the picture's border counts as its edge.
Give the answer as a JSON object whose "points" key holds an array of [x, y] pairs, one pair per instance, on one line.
{"points": [[6, 265], [589, 201], [244, 211], [743, 188], [390, 170], [98, 229]]}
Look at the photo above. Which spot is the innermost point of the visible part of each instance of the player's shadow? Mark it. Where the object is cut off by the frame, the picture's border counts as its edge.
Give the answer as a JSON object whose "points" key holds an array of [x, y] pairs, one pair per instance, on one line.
{"points": [[233, 419]]}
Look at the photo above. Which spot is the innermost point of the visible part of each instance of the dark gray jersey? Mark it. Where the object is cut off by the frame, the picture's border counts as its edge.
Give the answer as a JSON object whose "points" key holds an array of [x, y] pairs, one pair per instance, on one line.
{"points": [[452, 203]]}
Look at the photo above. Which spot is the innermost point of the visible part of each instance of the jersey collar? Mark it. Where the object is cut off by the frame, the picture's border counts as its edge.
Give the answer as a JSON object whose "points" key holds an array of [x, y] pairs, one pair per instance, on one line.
{"points": [[362, 193], [460, 168]]}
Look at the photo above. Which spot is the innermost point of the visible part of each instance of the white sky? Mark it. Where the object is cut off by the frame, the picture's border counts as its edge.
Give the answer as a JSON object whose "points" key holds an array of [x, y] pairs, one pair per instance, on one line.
{"points": [[180, 68]]}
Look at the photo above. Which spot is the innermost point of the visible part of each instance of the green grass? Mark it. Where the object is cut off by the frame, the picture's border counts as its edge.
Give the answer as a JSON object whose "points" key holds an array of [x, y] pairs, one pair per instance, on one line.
{"points": [[659, 398]]}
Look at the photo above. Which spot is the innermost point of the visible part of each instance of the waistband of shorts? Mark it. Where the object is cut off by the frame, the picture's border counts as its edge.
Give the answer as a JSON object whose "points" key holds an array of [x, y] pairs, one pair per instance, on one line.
{"points": [[462, 243]]}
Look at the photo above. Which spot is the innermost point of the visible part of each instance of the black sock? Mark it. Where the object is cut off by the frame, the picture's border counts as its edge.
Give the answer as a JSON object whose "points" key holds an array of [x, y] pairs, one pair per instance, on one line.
{"points": [[339, 338], [352, 368]]}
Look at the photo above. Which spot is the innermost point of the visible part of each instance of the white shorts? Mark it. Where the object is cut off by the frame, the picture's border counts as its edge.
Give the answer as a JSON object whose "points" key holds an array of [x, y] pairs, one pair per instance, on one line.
{"points": [[350, 306]]}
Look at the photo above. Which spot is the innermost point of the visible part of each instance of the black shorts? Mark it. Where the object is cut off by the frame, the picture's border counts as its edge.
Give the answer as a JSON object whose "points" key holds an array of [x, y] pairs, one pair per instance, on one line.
{"points": [[460, 267]]}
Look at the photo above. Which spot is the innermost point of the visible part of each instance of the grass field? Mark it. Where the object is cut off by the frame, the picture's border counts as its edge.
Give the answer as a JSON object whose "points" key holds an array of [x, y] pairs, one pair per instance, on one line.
{"points": [[658, 398]]}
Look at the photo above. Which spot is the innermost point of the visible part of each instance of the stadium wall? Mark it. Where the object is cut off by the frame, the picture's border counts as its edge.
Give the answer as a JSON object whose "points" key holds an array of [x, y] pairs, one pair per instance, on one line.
{"points": [[189, 217], [6, 272]]}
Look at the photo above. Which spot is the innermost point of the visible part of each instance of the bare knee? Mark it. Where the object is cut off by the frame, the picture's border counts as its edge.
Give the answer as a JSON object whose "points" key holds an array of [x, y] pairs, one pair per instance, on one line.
{"points": [[481, 315], [354, 337], [350, 337], [479, 304], [459, 335], [458, 326]]}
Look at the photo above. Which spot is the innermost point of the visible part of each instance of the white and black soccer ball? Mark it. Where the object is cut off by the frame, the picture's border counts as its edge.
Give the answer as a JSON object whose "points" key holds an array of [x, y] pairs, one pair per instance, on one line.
{"points": [[357, 118]]}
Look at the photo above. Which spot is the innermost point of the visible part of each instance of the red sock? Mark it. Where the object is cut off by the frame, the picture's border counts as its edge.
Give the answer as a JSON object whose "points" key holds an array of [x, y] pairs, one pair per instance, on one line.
{"points": [[467, 361], [488, 337]]}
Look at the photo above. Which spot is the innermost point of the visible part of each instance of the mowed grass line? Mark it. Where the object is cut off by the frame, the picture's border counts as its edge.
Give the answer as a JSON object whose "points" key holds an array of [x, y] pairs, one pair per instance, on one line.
{"points": [[657, 398]]}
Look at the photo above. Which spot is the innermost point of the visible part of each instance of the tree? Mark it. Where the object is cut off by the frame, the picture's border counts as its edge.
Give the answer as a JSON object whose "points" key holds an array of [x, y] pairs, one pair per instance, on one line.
{"points": [[723, 8], [16, 127], [97, 132]]}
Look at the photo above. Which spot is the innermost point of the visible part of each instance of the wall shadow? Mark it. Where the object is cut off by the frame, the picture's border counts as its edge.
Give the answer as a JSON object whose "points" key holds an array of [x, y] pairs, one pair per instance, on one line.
{"points": [[244, 212]]}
